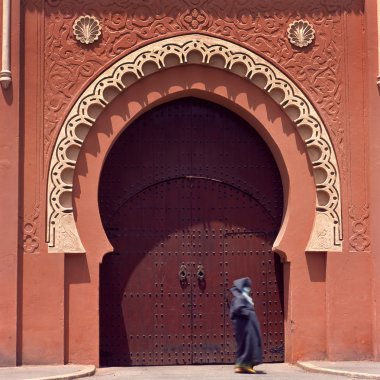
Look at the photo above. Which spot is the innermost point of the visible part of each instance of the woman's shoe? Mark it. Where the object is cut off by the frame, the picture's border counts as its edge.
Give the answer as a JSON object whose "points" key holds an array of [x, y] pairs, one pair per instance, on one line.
{"points": [[250, 370]]}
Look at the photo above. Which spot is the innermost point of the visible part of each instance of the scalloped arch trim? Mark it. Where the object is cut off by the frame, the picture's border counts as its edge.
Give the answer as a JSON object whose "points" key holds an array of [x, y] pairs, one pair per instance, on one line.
{"points": [[61, 231]]}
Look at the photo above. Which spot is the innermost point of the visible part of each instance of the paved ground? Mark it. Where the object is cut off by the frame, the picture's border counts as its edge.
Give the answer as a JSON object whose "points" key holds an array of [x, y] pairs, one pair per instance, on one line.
{"points": [[56, 372], [206, 372], [349, 368], [283, 371]]}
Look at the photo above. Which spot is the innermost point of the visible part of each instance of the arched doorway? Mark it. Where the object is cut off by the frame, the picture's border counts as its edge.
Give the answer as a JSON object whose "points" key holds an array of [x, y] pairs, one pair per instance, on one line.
{"points": [[190, 198]]}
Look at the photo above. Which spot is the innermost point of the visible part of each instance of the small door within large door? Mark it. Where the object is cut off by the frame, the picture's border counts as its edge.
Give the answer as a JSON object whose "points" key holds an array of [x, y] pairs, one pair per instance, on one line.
{"points": [[191, 199], [165, 291]]}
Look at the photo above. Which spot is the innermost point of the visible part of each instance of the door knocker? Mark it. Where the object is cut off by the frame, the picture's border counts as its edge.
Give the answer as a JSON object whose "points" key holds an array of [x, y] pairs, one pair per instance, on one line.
{"points": [[201, 273], [182, 274]]}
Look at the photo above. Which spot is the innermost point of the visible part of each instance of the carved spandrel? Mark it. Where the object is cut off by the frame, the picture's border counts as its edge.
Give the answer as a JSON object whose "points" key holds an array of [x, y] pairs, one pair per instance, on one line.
{"points": [[257, 24], [327, 232]]}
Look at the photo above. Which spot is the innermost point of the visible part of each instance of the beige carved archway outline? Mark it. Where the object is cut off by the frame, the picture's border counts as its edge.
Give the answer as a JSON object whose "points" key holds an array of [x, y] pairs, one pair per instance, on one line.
{"points": [[61, 229]]}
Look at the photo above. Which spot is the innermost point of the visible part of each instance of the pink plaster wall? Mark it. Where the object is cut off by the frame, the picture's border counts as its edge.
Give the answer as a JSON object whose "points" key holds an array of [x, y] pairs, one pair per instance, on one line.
{"points": [[349, 302], [373, 117], [10, 207], [43, 309], [49, 303]]}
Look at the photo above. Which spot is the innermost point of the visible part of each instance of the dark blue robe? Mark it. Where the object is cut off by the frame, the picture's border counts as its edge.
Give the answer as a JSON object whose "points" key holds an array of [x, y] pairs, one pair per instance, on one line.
{"points": [[246, 326]]}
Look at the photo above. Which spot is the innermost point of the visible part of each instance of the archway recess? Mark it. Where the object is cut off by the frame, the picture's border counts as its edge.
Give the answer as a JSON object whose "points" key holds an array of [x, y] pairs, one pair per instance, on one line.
{"points": [[61, 231]]}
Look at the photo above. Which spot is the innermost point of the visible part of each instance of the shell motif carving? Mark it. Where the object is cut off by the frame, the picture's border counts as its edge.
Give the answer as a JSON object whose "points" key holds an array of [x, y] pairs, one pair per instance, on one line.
{"points": [[301, 33], [87, 29]]}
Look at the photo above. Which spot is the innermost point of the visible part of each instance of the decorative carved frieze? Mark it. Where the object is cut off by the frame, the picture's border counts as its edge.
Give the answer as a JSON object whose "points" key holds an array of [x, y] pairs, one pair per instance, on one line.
{"points": [[259, 25], [31, 237], [61, 230], [359, 240]]}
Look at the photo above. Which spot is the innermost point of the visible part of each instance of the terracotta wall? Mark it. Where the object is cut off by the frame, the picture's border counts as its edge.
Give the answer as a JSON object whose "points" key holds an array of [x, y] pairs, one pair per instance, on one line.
{"points": [[10, 202], [373, 116], [336, 74]]}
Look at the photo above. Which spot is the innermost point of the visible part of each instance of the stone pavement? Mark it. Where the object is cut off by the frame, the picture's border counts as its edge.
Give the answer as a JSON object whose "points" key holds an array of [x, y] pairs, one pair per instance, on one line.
{"points": [[209, 372], [313, 370], [281, 371], [47, 372], [361, 370]]}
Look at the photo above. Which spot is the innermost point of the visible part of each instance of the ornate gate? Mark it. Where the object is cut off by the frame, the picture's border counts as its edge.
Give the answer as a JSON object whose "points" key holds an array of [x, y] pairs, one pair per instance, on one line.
{"points": [[191, 199]]}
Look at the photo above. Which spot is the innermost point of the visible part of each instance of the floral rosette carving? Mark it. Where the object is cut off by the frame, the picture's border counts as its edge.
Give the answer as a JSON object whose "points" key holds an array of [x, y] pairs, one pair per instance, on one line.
{"points": [[301, 33], [87, 29], [195, 19]]}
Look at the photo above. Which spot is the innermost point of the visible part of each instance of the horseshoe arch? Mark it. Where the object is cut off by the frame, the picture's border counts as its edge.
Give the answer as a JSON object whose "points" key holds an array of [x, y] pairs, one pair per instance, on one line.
{"points": [[61, 231]]}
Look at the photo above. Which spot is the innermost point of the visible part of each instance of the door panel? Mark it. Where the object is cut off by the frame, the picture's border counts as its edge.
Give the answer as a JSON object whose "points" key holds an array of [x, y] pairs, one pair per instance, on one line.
{"points": [[146, 309], [250, 253], [208, 292], [164, 320], [188, 185]]}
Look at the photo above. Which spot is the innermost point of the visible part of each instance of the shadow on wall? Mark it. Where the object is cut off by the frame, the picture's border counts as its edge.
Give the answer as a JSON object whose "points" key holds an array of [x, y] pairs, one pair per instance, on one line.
{"points": [[316, 265], [76, 272]]}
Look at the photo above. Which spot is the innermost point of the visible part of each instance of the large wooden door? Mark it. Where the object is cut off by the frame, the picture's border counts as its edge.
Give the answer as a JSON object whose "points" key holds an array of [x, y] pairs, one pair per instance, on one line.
{"points": [[191, 199], [145, 309]]}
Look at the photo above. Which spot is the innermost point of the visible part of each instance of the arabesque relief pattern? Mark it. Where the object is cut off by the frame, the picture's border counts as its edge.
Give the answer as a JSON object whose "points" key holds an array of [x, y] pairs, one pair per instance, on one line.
{"points": [[259, 25], [31, 238], [359, 240], [195, 49]]}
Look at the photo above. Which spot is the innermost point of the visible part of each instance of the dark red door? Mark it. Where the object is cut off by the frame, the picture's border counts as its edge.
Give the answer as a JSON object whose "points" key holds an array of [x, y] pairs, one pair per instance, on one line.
{"points": [[145, 309], [191, 199]]}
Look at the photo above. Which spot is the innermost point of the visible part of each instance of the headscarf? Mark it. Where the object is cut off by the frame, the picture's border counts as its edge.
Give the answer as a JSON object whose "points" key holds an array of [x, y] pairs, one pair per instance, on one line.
{"points": [[238, 288]]}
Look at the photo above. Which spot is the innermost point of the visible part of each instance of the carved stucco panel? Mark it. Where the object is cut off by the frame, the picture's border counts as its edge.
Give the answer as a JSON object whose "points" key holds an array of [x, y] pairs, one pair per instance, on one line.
{"points": [[61, 230], [259, 25], [359, 240], [31, 237]]}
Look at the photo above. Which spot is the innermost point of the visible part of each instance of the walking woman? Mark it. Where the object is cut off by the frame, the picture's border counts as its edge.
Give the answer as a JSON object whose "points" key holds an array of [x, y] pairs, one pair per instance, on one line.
{"points": [[246, 327]]}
